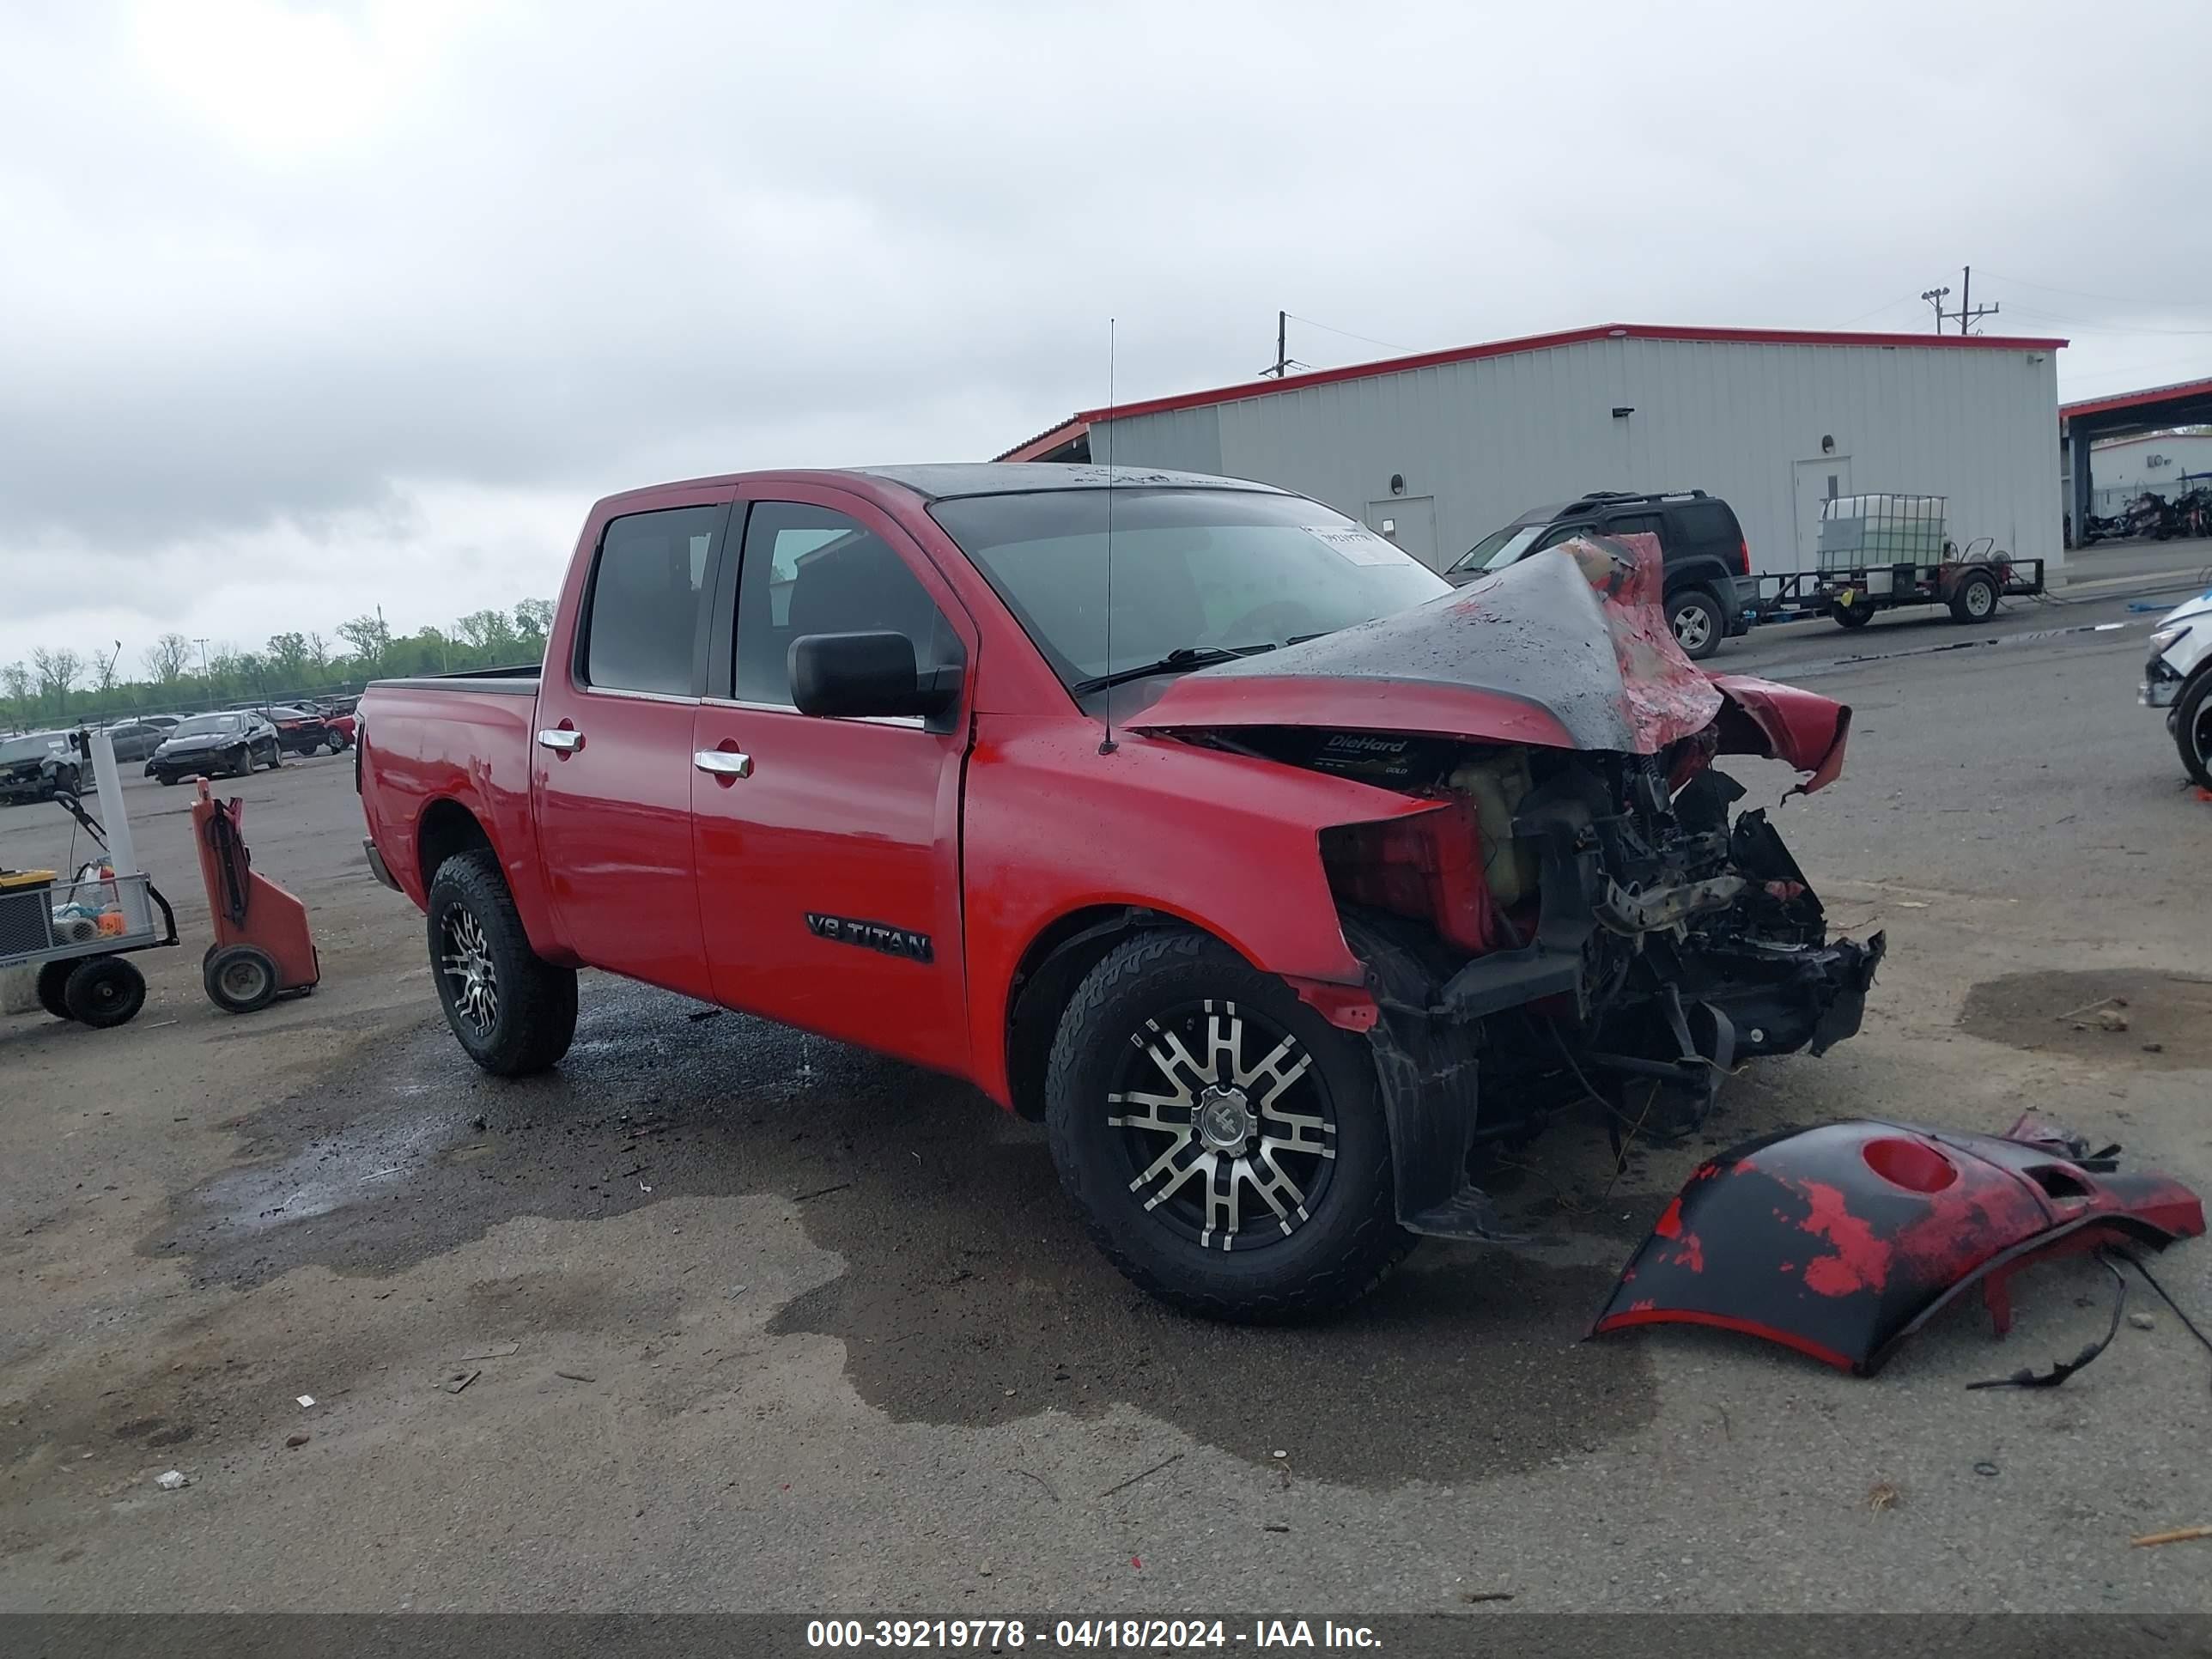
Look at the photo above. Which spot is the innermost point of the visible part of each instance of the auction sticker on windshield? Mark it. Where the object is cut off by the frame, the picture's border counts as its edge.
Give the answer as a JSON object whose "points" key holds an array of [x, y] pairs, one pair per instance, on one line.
{"points": [[1355, 544]]}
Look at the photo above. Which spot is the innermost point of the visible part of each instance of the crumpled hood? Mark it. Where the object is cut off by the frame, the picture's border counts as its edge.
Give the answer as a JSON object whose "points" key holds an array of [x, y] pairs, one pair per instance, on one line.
{"points": [[2188, 610], [1568, 649]]}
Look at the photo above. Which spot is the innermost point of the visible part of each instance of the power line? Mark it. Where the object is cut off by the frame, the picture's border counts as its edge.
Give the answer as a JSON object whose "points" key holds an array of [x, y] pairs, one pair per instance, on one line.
{"points": [[1387, 346], [2106, 299], [1903, 299], [2106, 328], [1285, 362]]}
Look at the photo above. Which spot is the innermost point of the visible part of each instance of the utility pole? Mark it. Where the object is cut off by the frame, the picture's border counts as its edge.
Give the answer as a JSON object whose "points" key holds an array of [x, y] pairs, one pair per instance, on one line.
{"points": [[1968, 314], [1283, 364], [203, 669]]}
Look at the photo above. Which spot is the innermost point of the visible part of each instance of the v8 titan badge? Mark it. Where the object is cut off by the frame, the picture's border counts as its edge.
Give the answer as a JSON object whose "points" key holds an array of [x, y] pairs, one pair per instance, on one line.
{"points": [[871, 936]]}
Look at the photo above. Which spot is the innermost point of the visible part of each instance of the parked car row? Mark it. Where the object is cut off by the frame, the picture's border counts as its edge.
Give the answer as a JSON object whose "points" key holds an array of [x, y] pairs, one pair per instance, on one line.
{"points": [[35, 765], [38, 765]]}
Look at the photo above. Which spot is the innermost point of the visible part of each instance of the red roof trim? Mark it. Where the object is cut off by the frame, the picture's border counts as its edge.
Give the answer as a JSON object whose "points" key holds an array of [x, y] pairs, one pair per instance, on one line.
{"points": [[2148, 437], [1047, 440], [2156, 394], [1229, 394]]}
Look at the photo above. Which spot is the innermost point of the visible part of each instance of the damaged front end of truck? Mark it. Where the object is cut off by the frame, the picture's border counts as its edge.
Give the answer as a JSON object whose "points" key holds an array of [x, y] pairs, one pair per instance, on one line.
{"points": [[1583, 915]]}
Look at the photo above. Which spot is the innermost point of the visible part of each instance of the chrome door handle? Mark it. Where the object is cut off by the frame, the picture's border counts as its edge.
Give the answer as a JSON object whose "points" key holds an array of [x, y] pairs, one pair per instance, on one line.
{"points": [[561, 742], [723, 762]]}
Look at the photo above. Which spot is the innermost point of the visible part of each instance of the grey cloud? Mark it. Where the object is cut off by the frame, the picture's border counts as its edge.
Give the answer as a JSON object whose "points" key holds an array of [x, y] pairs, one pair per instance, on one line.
{"points": [[582, 245]]}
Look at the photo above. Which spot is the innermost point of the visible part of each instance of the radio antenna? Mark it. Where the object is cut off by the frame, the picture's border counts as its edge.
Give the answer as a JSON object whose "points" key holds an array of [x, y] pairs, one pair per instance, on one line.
{"points": [[1106, 744]]}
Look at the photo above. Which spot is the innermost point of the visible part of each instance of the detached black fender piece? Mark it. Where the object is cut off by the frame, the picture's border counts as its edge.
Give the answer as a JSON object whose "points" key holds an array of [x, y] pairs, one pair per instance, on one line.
{"points": [[1842, 1241]]}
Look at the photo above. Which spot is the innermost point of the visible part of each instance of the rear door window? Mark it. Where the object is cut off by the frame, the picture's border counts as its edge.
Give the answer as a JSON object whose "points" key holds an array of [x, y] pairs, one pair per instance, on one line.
{"points": [[647, 608], [1638, 524], [1707, 527]]}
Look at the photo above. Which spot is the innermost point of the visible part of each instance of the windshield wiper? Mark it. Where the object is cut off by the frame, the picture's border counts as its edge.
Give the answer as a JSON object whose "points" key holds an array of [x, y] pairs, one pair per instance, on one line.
{"points": [[1183, 657]]}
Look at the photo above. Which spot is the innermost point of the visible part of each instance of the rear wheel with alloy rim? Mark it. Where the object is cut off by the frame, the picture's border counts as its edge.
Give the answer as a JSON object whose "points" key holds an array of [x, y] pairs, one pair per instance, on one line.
{"points": [[1697, 622], [1224, 1143], [512, 1012]]}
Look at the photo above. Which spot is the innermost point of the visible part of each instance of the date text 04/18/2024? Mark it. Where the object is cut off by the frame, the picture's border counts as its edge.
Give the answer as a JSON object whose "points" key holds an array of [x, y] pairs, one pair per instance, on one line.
{"points": [[1001, 1635]]}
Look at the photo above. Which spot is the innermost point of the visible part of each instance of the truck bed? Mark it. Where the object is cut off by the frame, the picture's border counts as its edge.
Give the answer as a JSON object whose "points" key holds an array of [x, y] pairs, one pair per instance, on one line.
{"points": [[465, 739], [520, 682]]}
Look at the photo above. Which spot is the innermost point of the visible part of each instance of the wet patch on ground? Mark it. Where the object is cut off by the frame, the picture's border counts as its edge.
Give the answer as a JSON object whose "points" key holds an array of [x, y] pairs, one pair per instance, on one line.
{"points": [[971, 1296], [2114, 1017]]}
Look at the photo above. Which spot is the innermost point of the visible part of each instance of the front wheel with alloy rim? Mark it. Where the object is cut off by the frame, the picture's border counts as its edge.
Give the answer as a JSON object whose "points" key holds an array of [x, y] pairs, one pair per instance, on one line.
{"points": [[2192, 729], [1224, 1143], [512, 1012], [1697, 622]]}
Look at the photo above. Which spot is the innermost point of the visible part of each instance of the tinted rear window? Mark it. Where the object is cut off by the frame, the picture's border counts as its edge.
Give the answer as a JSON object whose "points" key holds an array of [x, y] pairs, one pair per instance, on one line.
{"points": [[1707, 526], [648, 596]]}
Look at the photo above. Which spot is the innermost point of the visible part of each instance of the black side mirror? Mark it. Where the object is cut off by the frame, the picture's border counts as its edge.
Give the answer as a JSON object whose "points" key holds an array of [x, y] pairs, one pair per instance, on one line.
{"points": [[849, 675]]}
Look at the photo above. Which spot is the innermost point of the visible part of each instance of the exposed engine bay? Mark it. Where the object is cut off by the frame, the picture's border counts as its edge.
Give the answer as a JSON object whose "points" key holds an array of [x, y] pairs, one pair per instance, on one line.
{"points": [[1583, 916], [1568, 929]]}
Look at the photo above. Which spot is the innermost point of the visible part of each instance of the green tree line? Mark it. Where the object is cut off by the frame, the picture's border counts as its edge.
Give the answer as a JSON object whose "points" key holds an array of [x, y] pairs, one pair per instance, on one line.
{"points": [[177, 675]]}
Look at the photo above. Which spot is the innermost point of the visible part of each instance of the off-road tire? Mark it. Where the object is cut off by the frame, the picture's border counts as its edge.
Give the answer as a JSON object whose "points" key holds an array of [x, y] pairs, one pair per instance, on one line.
{"points": [[104, 990], [537, 1014], [1715, 625], [52, 980], [1962, 603], [2192, 707], [1352, 1240]]}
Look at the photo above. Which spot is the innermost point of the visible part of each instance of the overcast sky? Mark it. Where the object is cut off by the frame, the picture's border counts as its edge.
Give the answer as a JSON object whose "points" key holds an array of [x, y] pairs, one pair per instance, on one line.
{"points": [[306, 308]]}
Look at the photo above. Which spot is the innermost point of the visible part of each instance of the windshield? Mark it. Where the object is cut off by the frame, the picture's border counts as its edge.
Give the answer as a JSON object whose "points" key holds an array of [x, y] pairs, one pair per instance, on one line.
{"points": [[202, 725], [1501, 547], [17, 749], [1194, 570]]}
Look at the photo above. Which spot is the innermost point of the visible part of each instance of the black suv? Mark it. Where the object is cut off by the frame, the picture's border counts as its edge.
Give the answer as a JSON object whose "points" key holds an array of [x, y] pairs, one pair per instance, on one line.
{"points": [[1710, 588]]}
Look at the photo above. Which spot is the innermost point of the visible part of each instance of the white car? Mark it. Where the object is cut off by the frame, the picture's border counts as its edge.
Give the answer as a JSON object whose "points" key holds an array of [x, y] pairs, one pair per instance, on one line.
{"points": [[2178, 679]]}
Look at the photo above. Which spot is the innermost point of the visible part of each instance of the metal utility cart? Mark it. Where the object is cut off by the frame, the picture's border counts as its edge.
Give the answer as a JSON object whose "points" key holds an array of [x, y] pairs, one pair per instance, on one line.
{"points": [[1879, 552], [78, 931]]}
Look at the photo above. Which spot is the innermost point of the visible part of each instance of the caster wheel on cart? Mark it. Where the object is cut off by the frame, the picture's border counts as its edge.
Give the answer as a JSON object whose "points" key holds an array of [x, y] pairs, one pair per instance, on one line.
{"points": [[239, 978], [104, 990], [53, 979]]}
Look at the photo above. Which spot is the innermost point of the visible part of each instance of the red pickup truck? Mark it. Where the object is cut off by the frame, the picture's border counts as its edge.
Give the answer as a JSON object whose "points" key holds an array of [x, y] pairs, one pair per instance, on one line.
{"points": [[1276, 876]]}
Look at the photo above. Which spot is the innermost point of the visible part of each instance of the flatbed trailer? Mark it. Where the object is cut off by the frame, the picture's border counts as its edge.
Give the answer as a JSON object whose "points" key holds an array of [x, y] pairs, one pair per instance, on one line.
{"points": [[1969, 583]]}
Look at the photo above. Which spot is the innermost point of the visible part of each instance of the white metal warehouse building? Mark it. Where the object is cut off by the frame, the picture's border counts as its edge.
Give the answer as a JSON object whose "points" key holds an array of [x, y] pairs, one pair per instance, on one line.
{"points": [[1442, 448]]}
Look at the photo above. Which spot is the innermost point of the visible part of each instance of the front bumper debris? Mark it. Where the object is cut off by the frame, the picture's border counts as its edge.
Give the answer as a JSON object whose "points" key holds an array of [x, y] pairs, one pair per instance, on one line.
{"points": [[1842, 1241]]}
